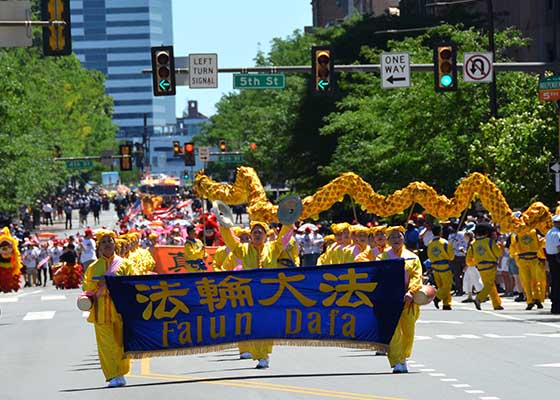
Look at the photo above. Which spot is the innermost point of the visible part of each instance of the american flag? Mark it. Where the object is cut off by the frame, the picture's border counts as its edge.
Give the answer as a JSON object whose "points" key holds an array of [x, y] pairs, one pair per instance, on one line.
{"points": [[135, 209]]}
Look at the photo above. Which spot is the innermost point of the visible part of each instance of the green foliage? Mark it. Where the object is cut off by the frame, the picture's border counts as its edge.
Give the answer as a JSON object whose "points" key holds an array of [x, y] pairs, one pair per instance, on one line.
{"points": [[394, 137], [46, 102]]}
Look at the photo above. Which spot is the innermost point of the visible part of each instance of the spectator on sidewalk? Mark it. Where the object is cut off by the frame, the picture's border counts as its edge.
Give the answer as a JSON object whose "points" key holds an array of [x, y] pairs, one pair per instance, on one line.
{"points": [[87, 253]]}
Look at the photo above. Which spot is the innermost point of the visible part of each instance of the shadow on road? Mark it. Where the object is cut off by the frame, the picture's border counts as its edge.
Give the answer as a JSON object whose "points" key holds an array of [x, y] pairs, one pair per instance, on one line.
{"points": [[239, 378]]}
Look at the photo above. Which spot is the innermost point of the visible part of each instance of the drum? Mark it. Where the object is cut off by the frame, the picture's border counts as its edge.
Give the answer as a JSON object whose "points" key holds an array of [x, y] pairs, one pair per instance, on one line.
{"points": [[425, 295], [85, 301]]}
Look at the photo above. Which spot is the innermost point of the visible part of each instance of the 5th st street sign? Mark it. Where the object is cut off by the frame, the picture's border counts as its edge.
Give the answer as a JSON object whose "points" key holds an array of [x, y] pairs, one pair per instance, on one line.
{"points": [[259, 81]]}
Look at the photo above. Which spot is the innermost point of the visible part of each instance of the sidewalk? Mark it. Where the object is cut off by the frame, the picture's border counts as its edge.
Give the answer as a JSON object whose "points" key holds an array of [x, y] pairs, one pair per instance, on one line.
{"points": [[106, 218]]}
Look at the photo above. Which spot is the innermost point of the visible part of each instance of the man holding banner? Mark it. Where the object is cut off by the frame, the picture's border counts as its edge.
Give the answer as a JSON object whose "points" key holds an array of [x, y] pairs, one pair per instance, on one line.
{"points": [[103, 315], [400, 347]]}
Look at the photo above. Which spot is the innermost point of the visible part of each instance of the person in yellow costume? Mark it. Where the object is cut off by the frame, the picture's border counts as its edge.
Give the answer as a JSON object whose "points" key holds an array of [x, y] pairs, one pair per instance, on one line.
{"points": [[105, 318], [527, 250], [257, 254], [360, 241], [378, 246], [400, 347], [335, 254], [195, 253], [441, 253], [223, 259], [484, 253], [10, 262]]}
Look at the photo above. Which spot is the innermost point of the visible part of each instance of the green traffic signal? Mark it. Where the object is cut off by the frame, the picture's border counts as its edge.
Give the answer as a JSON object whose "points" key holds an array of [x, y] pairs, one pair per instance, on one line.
{"points": [[446, 80], [323, 85]]}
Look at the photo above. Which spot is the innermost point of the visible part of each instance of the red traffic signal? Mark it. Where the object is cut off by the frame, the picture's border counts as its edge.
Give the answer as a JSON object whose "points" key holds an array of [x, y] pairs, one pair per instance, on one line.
{"points": [[189, 154]]}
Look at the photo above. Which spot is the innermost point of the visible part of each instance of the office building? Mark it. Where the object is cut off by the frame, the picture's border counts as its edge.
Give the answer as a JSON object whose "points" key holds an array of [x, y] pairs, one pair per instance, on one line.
{"points": [[114, 37]]}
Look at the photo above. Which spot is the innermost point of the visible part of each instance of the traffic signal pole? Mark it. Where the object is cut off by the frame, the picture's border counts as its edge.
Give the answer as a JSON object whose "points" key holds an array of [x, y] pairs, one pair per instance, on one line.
{"points": [[500, 66]]}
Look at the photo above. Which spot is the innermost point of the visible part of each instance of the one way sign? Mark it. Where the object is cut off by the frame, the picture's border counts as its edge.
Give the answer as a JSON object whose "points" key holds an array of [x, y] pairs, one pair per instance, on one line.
{"points": [[395, 70]]}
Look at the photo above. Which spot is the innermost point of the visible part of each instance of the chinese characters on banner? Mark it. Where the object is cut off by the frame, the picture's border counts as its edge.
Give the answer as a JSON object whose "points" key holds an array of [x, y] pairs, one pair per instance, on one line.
{"points": [[358, 303]]}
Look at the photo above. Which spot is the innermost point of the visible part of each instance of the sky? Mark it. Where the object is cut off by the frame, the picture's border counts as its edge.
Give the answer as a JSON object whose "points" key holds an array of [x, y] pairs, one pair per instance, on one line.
{"points": [[236, 31]]}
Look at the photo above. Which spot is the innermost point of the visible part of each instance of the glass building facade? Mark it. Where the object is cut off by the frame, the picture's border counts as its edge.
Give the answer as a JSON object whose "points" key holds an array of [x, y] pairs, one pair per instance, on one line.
{"points": [[114, 37]]}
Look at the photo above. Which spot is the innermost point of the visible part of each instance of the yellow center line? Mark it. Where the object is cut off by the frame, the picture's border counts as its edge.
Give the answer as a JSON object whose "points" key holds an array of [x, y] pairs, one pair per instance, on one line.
{"points": [[272, 386]]}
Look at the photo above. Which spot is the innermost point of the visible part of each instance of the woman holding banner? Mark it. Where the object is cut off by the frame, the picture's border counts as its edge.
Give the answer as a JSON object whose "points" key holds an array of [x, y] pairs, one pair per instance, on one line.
{"points": [[105, 318], [400, 347]]}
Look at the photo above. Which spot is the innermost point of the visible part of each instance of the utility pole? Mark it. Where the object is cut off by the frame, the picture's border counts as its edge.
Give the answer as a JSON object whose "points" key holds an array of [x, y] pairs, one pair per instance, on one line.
{"points": [[146, 143], [492, 48]]}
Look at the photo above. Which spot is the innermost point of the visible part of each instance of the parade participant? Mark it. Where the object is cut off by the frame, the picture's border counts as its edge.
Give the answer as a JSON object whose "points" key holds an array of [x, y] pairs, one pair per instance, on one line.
{"points": [[440, 253], [335, 254], [553, 257], [223, 259], [484, 253], [400, 347], [525, 249], [195, 253], [379, 244], [10, 262], [104, 316], [257, 254], [361, 244]]}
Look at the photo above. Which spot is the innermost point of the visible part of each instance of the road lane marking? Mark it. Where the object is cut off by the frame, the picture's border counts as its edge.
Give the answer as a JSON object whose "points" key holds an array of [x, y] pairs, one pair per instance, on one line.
{"points": [[53, 297], [8, 299], [421, 321], [33, 316], [489, 398], [554, 365], [422, 338], [271, 387], [416, 365], [463, 336], [461, 385], [474, 391], [494, 336], [427, 370], [449, 380], [437, 374]]}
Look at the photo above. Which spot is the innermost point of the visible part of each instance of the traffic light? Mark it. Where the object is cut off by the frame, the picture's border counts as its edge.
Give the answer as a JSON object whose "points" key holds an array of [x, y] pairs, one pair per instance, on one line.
{"points": [[445, 68], [163, 71], [139, 153], [176, 148], [57, 39], [322, 65], [125, 151], [223, 146], [189, 154]]}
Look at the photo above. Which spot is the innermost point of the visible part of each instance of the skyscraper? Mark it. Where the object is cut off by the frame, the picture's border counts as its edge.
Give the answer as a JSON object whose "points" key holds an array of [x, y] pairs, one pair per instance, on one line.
{"points": [[114, 37]]}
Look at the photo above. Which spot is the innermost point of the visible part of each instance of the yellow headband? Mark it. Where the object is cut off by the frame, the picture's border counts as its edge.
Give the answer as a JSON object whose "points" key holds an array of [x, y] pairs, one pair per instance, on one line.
{"points": [[338, 228], [100, 234], [358, 229], [261, 224], [375, 229], [392, 229]]}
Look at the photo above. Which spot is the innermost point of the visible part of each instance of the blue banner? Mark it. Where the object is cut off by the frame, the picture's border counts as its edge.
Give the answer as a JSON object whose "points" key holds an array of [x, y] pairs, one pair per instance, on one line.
{"points": [[354, 305]]}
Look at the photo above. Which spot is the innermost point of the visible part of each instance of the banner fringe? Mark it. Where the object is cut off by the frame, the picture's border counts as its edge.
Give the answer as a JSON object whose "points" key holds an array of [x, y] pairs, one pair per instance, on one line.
{"points": [[350, 344]]}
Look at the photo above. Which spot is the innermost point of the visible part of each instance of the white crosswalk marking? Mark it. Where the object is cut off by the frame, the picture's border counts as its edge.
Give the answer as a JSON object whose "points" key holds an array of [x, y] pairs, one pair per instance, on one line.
{"points": [[461, 385], [489, 398], [494, 336], [437, 374], [33, 316], [53, 297], [449, 380], [464, 336], [427, 370], [474, 391], [555, 365], [8, 299]]}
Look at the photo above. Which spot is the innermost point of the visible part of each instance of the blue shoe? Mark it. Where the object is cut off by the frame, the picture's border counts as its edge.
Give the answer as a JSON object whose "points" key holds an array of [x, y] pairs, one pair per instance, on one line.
{"points": [[245, 356], [263, 364], [117, 382]]}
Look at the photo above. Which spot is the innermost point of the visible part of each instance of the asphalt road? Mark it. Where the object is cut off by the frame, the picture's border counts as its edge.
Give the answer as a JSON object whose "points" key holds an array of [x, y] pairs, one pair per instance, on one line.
{"points": [[49, 352]]}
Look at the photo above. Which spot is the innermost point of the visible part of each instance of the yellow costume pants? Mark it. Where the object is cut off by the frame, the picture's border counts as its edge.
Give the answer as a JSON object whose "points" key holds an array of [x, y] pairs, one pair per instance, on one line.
{"points": [[533, 279], [489, 281], [444, 281], [243, 347], [401, 344], [110, 349], [260, 348]]}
